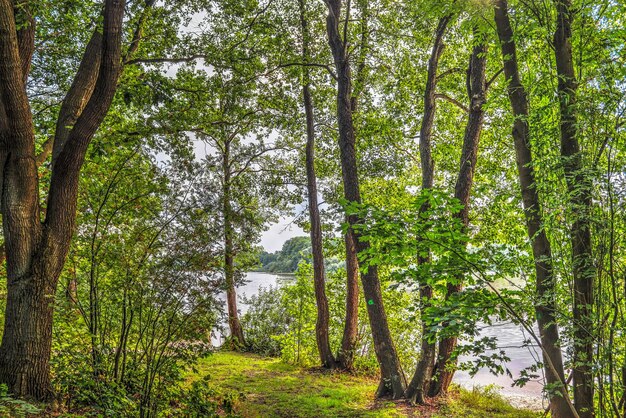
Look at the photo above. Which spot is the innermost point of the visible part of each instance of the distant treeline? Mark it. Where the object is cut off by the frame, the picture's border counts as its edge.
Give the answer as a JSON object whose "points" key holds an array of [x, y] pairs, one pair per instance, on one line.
{"points": [[287, 259]]}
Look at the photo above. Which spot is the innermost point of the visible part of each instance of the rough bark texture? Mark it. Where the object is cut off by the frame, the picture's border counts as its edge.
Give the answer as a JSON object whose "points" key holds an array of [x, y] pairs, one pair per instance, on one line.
{"points": [[345, 357], [560, 406], [36, 251], [80, 91], [319, 274], [580, 190], [392, 378], [477, 91], [418, 388], [236, 330]]}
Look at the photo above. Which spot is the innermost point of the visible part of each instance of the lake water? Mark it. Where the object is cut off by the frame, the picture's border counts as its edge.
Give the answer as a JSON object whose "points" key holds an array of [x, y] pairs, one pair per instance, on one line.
{"points": [[510, 338]]}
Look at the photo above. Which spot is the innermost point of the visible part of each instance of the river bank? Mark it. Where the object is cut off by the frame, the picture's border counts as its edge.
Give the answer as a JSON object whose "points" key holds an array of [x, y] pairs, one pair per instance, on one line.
{"points": [[510, 339], [255, 386]]}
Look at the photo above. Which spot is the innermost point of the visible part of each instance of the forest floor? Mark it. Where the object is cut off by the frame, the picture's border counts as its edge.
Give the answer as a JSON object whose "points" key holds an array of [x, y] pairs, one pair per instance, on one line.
{"points": [[268, 387]]}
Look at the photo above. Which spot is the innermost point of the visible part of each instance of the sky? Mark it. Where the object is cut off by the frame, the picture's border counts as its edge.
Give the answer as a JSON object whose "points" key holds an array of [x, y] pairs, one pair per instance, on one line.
{"points": [[273, 239]]}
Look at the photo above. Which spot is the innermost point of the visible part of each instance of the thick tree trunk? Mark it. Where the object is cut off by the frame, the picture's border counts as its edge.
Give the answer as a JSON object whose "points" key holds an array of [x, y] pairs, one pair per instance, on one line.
{"points": [[392, 378], [35, 251], [580, 190], [345, 357], [25, 348], [236, 330], [560, 405], [317, 248], [418, 388], [26, 343], [445, 366]]}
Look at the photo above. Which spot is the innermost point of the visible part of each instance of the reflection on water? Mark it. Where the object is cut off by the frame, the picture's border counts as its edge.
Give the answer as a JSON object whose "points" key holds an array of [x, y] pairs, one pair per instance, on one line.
{"points": [[510, 339]]}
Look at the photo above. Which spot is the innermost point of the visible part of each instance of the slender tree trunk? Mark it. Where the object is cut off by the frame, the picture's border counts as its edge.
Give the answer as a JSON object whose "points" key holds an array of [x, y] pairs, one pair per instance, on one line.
{"points": [[36, 251], [560, 405], [317, 248], [418, 388], [319, 275], [392, 378], [580, 190], [345, 357], [445, 366], [236, 330]]}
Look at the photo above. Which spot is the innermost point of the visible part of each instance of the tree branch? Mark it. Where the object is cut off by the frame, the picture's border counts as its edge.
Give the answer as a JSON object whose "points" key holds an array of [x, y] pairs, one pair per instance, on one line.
{"points": [[66, 168], [309, 64], [134, 44], [173, 60], [79, 93], [452, 100]]}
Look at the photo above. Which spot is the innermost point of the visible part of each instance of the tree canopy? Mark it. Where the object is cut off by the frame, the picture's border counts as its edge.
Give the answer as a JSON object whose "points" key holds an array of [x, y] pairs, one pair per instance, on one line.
{"points": [[455, 165]]}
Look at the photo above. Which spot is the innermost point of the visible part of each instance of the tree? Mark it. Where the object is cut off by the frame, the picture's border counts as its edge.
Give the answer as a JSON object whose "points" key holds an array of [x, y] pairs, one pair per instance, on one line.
{"points": [[420, 383], [241, 170], [317, 249], [477, 89], [580, 191], [560, 405], [36, 249], [392, 378]]}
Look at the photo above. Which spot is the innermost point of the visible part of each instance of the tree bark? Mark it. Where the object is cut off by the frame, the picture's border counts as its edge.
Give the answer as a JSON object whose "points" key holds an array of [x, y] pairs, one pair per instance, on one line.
{"points": [[418, 388], [477, 95], [345, 357], [319, 275], [78, 95], [236, 330], [36, 251], [580, 188], [317, 248], [392, 378], [560, 405], [349, 340]]}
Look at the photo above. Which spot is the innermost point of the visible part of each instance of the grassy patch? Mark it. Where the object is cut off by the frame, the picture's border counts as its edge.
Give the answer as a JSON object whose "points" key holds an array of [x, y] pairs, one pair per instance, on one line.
{"points": [[480, 403], [271, 388]]}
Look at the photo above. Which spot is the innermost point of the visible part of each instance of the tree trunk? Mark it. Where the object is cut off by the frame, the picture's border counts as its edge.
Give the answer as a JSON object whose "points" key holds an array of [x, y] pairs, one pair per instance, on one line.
{"points": [[560, 405], [418, 388], [345, 357], [25, 350], [35, 251], [317, 248], [580, 190], [477, 92], [236, 330], [392, 378], [319, 275]]}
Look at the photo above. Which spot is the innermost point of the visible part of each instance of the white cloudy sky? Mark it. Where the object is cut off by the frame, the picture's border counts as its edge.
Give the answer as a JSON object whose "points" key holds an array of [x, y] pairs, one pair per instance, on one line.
{"points": [[273, 239]]}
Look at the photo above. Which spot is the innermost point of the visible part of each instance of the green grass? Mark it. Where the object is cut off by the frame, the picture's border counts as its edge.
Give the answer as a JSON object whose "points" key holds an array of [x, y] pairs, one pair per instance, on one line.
{"points": [[271, 388]]}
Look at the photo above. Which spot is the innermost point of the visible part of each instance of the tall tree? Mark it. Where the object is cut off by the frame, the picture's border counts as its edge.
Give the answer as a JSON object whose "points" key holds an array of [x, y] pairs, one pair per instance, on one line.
{"points": [[236, 330], [580, 191], [36, 250], [476, 86], [317, 249], [560, 406], [392, 376], [418, 388]]}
